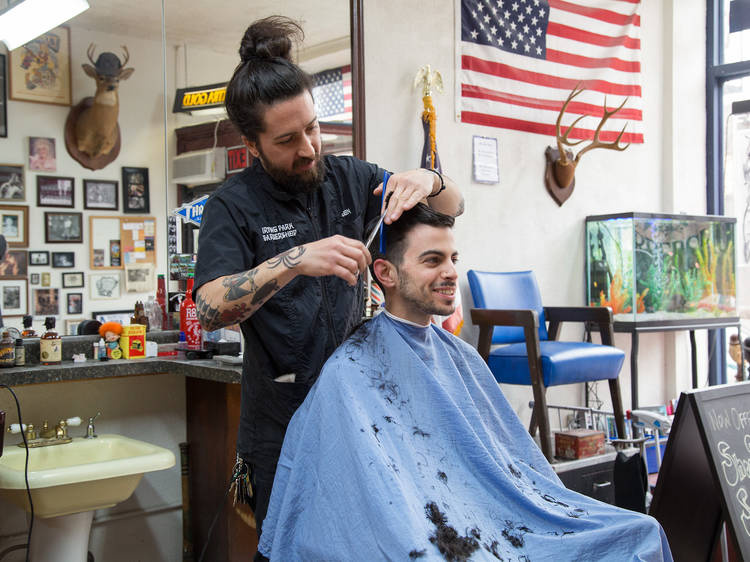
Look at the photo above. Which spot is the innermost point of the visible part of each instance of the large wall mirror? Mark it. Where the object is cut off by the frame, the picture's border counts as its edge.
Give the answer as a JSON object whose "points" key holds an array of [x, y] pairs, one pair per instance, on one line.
{"points": [[170, 44]]}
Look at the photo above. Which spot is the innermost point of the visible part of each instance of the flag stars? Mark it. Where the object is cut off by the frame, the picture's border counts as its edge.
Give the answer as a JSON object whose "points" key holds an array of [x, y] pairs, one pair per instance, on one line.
{"points": [[542, 13], [487, 18], [500, 41], [493, 29], [508, 33], [526, 47], [480, 7], [489, 38], [506, 15], [520, 36], [521, 18], [474, 34], [513, 25], [534, 20], [513, 45], [526, 29], [528, 9], [515, 6], [538, 30], [539, 51]]}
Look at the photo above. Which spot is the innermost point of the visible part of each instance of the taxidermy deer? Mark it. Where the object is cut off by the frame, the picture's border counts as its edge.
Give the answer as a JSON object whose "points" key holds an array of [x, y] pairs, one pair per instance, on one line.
{"points": [[559, 176], [92, 135]]}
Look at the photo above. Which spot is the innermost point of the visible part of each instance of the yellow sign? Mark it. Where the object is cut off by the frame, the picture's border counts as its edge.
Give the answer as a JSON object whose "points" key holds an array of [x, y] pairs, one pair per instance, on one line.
{"points": [[200, 97]]}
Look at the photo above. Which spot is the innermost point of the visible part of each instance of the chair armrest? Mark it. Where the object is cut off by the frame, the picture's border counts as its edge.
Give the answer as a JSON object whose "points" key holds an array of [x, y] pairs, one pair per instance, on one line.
{"points": [[487, 319], [601, 315]]}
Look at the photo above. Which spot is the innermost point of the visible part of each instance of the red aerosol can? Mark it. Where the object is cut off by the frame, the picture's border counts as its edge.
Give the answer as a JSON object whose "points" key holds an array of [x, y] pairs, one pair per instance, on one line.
{"points": [[189, 319]]}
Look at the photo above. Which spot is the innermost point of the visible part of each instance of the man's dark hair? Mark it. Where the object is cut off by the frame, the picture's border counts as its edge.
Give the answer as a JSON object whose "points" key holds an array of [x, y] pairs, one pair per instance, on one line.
{"points": [[396, 233], [266, 73]]}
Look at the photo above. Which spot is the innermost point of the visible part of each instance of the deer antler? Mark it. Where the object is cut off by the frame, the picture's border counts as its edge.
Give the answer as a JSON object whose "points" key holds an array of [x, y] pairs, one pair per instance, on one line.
{"points": [[596, 143], [127, 56], [90, 53]]}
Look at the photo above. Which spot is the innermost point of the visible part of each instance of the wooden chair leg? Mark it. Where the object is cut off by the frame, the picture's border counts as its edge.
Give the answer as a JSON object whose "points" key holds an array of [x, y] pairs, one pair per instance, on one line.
{"points": [[614, 391], [540, 413], [533, 423]]}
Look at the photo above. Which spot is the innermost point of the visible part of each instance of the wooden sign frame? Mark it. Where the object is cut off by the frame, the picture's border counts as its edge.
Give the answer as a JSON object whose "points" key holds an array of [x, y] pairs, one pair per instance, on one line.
{"points": [[136, 236], [697, 489]]}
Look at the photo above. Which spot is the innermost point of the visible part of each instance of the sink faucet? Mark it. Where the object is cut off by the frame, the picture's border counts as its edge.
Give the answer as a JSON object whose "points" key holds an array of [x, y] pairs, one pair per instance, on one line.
{"points": [[90, 431], [47, 435]]}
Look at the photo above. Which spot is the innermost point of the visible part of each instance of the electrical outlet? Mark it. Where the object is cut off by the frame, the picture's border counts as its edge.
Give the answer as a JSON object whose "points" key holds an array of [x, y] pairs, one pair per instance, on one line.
{"points": [[2, 431]]}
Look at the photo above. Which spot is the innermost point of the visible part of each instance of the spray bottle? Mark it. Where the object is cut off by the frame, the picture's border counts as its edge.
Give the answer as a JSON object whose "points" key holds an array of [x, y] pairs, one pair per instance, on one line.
{"points": [[189, 319]]}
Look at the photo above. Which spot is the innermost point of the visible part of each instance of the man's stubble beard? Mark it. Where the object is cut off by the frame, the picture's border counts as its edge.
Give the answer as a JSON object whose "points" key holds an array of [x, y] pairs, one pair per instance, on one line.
{"points": [[295, 183]]}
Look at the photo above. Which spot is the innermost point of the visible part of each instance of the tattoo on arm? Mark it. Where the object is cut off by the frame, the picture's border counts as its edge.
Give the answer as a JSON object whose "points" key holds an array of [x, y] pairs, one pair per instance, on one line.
{"points": [[289, 259], [207, 314], [234, 285], [264, 292]]}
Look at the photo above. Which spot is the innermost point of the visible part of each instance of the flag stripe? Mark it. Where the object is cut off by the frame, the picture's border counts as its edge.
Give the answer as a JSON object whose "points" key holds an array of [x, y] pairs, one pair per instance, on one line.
{"points": [[505, 71], [544, 129], [588, 62], [574, 108], [600, 14], [562, 30]]}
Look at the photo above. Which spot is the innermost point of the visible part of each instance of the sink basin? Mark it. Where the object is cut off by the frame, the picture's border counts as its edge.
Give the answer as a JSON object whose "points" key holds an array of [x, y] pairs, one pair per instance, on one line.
{"points": [[83, 475]]}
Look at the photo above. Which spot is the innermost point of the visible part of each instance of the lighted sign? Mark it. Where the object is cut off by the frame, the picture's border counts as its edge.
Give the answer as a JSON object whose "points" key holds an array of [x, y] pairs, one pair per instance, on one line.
{"points": [[192, 212], [199, 97], [237, 159]]}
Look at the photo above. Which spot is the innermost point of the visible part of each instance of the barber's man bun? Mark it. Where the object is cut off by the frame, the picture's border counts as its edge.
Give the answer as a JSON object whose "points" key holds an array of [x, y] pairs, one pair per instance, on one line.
{"points": [[271, 37]]}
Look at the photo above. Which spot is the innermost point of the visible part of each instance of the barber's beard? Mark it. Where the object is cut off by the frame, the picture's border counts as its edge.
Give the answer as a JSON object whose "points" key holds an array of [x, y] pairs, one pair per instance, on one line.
{"points": [[296, 183]]}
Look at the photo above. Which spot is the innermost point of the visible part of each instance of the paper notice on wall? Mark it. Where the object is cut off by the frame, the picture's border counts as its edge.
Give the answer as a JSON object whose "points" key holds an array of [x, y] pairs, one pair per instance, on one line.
{"points": [[485, 160], [149, 228]]}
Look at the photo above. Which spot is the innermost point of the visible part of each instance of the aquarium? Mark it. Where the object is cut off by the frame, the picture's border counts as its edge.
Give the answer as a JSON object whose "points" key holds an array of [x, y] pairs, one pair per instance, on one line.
{"points": [[659, 268]]}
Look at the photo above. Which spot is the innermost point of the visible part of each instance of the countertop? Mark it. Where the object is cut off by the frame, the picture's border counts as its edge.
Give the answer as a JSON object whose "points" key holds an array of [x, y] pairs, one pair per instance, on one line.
{"points": [[69, 371]]}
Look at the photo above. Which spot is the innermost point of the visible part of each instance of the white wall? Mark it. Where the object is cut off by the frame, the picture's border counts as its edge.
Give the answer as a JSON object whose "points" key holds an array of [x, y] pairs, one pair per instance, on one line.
{"points": [[516, 225]]}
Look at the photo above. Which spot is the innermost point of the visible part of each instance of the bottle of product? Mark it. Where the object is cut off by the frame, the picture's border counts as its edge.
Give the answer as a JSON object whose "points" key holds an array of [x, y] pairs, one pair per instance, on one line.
{"points": [[7, 350], [181, 345], [50, 344], [102, 350], [189, 318], [20, 353], [161, 300], [28, 331], [153, 313]]}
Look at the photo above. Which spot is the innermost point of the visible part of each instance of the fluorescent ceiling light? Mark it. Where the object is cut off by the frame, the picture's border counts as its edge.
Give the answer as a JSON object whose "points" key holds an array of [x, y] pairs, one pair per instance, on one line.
{"points": [[28, 19]]}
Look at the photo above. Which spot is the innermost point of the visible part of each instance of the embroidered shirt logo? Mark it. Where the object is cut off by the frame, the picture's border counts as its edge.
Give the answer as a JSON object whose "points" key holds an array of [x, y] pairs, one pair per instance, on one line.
{"points": [[346, 213], [278, 232]]}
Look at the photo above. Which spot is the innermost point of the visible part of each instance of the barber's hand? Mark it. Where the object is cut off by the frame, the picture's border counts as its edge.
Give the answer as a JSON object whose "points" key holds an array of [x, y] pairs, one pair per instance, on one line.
{"points": [[407, 189], [337, 255]]}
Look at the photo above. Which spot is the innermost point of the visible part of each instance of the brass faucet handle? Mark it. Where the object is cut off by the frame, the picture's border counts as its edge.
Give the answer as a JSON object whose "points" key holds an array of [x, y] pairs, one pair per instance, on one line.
{"points": [[46, 432], [61, 430], [30, 432]]}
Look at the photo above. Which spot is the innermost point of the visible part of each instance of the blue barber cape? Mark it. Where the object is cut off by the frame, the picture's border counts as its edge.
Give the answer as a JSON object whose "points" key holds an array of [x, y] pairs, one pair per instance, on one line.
{"points": [[405, 448]]}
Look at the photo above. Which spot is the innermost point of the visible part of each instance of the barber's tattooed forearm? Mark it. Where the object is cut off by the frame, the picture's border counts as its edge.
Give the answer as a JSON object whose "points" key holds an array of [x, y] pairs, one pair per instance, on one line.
{"points": [[211, 318], [289, 259], [264, 292], [234, 283]]}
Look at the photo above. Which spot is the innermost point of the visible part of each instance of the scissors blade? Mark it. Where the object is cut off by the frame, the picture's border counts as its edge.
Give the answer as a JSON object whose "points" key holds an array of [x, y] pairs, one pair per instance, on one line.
{"points": [[374, 231]]}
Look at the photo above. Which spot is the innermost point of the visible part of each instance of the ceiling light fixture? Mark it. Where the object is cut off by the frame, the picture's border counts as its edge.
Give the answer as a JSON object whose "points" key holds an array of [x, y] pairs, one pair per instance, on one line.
{"points": [[24, 20]]}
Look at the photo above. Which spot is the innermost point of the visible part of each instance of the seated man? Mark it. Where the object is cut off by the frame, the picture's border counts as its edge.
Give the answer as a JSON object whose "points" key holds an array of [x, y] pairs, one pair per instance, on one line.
{"points": [[406, 448]]}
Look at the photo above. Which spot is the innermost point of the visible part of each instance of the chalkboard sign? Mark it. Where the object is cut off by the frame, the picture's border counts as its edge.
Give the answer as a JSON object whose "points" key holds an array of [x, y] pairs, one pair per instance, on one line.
{"points": [[704, 479]]}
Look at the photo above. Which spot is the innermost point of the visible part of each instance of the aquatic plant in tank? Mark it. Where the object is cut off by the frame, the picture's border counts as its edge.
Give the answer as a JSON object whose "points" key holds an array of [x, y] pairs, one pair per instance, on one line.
{"points": [[659, 267]]}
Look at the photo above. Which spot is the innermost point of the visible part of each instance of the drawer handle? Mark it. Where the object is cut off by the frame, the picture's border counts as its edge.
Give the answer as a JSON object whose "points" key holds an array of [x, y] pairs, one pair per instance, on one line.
{"points": [[600, 485]]}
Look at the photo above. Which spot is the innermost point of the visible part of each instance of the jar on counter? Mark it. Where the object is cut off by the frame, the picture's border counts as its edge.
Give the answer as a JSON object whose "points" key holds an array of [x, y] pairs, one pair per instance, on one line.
{"points": [[7, 351], [20, 351]]}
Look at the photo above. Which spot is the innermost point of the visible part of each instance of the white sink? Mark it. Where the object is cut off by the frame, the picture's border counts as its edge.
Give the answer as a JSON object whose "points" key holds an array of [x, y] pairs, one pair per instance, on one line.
{"points": [[83, 475]]}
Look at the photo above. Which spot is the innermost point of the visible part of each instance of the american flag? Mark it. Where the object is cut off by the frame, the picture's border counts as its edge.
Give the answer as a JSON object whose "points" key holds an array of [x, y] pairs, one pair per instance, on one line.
{"points": [[520, 59], [332, 92]]}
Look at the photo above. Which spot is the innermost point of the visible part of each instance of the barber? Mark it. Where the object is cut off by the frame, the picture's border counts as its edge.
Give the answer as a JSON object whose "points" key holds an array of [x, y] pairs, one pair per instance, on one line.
{"points": [[280, 247]]}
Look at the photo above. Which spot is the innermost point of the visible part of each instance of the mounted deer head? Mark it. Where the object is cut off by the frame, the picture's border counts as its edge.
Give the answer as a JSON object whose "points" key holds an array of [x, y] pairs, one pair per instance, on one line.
{"points": [[559, 174], [92, 132]]}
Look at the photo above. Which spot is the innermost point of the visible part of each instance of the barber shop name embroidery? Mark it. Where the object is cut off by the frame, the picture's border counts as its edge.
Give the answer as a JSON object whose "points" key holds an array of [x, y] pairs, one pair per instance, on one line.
{"points": [[278, 232]]}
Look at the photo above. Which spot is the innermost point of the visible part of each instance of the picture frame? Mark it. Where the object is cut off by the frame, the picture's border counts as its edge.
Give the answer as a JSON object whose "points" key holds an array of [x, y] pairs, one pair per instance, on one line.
{"points": [[46, 302], [15, 265], [72, 279], [74, 303], [121, 316], [105, 285], [135, 190], [71, 326], [46, 279], [42, 155], [3, 98], [140, 278], [100, 195], [63, 228], [14, 297], [34, 279], [14, 222], [38, 257], [39, 71], [63, 259], [12, 182], [55, 191]]}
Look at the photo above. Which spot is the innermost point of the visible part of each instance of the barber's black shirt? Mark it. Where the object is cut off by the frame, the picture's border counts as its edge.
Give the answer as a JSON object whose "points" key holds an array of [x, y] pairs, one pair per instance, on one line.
{"points": [[250, 219]]}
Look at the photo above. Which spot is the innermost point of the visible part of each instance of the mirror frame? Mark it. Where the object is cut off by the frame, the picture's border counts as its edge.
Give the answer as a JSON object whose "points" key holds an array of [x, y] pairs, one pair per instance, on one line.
{"points": [[357, 34]]}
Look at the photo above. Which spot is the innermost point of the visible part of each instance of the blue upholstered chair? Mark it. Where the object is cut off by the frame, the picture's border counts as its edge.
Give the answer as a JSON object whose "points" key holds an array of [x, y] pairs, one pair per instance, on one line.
{"points": [[508, 310]]}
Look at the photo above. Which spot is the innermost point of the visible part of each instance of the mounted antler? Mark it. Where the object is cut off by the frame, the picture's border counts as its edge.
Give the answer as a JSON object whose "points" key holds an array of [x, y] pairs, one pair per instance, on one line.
{"points": [[561, 164]]}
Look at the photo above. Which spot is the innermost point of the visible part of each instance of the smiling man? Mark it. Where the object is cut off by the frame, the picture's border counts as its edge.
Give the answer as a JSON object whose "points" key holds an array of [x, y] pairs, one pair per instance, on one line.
{"points": [[406, 448]]}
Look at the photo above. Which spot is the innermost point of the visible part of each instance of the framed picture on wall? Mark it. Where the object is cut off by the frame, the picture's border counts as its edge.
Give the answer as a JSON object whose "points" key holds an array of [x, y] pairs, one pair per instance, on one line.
{"points": [[40, 70], [99, 194], [63, 227], [15, 224], [121, 316], [46, 302], [46, 279], [3, 100], [34, 279], [53, 191], [12, 184], [72, 279], [15, 265], [105, 286], [15, 297], [42, 156], [63, 259], [75, 303], [38, 258], [135, 194], [71, 325]]}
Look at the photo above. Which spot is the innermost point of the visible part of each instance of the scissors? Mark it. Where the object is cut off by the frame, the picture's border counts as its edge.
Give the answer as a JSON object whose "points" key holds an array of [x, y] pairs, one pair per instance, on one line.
{"points": [[379, 225]]}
